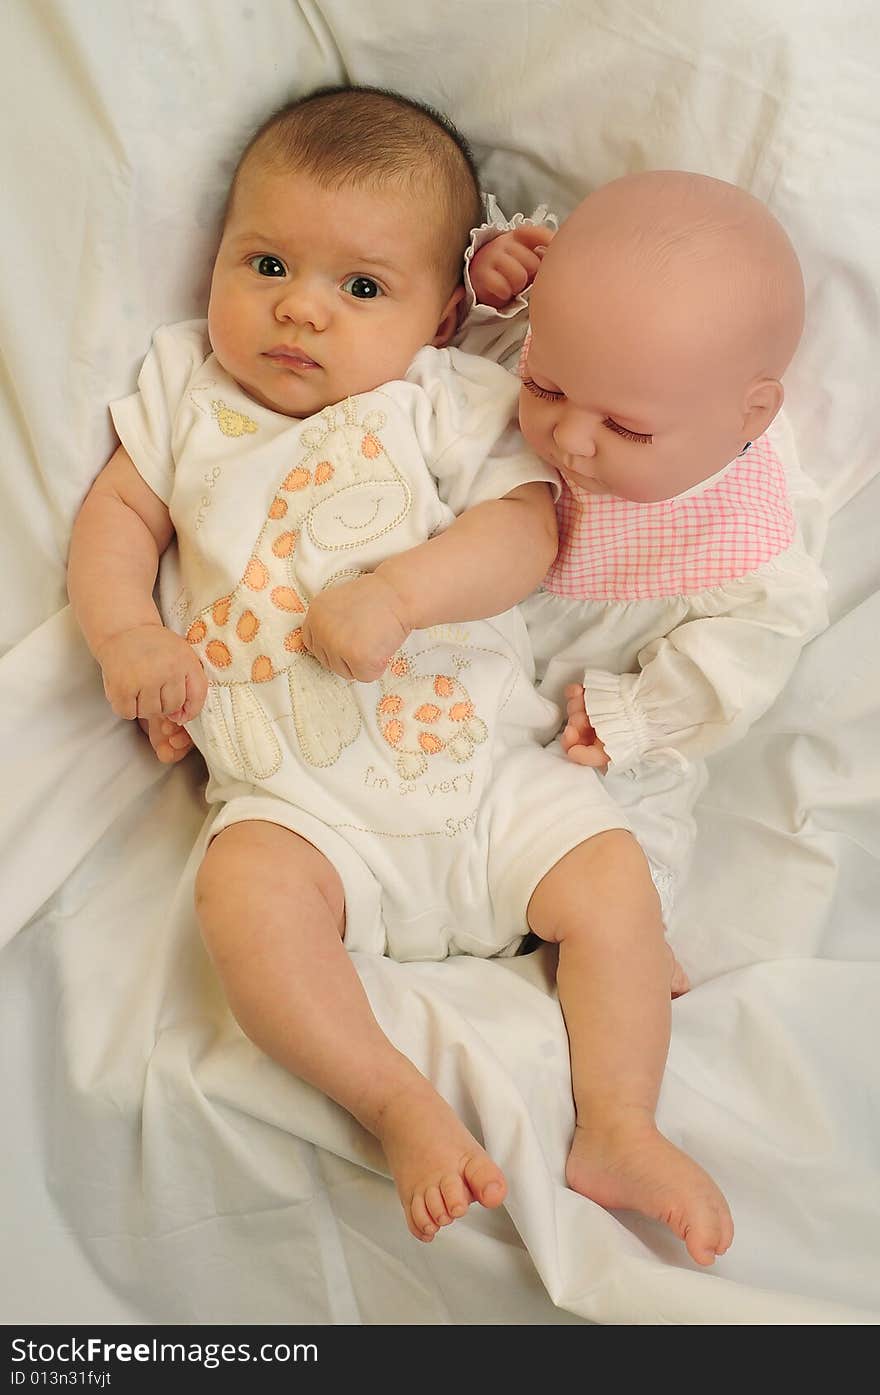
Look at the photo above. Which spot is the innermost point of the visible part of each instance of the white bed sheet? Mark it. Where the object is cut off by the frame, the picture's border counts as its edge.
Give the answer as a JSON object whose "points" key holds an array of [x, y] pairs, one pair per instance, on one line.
{"points": [[158, 1169]]}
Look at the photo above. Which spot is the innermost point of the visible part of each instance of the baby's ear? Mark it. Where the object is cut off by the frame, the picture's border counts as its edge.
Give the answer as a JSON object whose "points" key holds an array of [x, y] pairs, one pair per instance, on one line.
{"points": [[448, 319], [762, 401]]}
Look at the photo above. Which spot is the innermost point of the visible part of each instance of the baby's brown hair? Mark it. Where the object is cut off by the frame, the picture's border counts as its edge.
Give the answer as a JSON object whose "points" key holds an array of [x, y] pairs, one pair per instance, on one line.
{"points": [[357, 135]]}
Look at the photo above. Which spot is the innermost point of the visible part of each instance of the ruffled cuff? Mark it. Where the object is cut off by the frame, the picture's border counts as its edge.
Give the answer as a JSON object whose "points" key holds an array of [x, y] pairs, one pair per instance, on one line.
{"points": [[494, 226], [612, 709]]}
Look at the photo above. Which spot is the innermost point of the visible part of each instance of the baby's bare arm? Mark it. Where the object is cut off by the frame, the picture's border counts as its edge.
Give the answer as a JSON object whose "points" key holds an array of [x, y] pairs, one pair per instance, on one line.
{"points": [[118, 537], [490, 557]]}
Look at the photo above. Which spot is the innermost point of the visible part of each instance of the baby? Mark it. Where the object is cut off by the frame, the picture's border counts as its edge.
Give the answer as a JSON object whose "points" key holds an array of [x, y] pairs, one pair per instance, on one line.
{"points": [[351, 506], [663, 316]]}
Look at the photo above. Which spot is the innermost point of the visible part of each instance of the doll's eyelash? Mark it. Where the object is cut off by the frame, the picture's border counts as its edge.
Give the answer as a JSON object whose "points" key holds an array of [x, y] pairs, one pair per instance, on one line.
{"points": [[547, 393], [643, 437]]}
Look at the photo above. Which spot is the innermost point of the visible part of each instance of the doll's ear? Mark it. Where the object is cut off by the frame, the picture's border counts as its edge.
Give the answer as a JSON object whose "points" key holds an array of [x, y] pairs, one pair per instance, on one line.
{"points": [[762, 402], [448, 319]]}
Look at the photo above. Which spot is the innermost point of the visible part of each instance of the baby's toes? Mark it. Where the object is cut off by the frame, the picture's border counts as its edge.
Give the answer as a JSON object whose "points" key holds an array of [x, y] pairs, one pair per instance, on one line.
{"points": [[485, 1180], [706, 1240], [417, 1218], [436, 1206], [455, 1195]]}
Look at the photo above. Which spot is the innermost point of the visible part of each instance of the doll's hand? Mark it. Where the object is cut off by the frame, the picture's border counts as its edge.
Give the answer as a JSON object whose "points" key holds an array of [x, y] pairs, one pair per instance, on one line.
{"points": [[579, 741], [506, 265], [356, 628], [150, 671], [170, 742]]}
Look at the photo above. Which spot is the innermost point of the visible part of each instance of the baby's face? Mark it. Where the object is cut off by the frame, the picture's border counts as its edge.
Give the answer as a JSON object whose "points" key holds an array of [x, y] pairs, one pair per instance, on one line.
{"points": [[317, 294], [616, 397]]}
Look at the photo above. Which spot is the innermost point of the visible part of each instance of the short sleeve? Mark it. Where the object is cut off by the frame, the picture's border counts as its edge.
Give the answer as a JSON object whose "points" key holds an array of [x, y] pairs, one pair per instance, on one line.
{"points": [[144, 421], [466, 425]]}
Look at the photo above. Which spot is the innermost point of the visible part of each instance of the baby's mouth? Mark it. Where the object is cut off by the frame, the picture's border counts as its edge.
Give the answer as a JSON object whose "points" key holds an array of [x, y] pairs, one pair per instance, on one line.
{"points": [[291, 358]]}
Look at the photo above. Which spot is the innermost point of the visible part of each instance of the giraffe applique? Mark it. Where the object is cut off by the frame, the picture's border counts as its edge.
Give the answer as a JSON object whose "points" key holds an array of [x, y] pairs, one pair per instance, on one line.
{"points": [[422, 714], [343, 491]]}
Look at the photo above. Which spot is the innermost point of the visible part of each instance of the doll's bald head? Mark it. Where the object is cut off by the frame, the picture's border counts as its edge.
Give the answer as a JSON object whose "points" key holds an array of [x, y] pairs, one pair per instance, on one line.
{"points": [[710, 259], [670, 291]]}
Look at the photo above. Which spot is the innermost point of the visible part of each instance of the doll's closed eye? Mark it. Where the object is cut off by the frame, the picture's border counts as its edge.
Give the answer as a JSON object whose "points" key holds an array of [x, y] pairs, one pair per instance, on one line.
{"points": [[644, 438], [548, 394]]}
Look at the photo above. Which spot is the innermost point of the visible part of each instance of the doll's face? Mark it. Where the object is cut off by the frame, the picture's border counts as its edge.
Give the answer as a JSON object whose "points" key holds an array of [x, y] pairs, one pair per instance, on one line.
{"points": [[662, 317], [320, 294], [615, 407]]}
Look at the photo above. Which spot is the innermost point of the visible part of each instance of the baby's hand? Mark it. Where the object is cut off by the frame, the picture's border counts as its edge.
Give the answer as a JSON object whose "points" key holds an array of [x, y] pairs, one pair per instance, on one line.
{"points": [[169, 741], [152, 672], [506, 265], [356, 628], [579, 741]]}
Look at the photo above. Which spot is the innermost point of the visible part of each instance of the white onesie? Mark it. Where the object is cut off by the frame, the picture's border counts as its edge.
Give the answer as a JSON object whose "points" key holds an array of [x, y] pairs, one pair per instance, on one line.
{"points": [[430, 791]]}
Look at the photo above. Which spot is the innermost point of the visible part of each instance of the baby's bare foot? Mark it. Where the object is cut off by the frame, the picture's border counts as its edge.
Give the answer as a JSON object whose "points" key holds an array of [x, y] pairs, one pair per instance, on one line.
{"points": [[438, 1166], [630, 1166], [679, 981]]}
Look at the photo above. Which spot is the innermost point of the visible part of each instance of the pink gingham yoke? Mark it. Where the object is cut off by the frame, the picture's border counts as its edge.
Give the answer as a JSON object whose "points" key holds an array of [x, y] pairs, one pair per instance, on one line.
{"points": [[615, 550]]}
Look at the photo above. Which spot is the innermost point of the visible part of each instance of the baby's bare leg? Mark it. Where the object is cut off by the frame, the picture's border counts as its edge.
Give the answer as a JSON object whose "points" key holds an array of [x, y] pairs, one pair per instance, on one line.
{"points": [[599, 904], [271, 908]]}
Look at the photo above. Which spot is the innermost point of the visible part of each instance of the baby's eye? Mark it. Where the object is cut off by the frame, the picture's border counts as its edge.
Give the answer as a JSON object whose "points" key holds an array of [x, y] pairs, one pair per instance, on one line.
{"points": [[267, 265], [362, 288], [644, 438], [548, 394]]}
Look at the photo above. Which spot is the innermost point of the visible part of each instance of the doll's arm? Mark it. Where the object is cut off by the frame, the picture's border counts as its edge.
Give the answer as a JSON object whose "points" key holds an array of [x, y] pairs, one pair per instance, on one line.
{"points": [[118, 536], [493, 333], [701, 687], [506, 267]]}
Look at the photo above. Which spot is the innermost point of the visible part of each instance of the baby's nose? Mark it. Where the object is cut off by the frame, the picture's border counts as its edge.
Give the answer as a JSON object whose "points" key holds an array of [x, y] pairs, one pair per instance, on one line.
{"points": [[303, 303]]}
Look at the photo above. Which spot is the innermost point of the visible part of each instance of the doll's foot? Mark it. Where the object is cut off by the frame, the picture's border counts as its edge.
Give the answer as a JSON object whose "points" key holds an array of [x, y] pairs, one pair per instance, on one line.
{"points": [[438, 1166], [627, 1164]]}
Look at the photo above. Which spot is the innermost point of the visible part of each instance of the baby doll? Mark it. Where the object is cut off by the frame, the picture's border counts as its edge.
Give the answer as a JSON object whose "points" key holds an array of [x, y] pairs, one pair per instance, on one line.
{"points": [[663, 315], [355, 514]]}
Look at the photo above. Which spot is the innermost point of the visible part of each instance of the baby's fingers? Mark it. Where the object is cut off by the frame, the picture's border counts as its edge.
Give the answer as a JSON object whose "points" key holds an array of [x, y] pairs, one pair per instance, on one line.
{"points": [[194, 694]]}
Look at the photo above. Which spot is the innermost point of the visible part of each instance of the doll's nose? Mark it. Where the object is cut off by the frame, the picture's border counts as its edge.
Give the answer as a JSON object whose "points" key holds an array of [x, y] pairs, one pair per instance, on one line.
{"points": [[575, 433]]}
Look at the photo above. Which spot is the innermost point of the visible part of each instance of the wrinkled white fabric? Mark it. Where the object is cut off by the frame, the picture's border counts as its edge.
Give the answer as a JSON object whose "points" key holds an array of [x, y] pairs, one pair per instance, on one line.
{"points": [[156, 1167]]}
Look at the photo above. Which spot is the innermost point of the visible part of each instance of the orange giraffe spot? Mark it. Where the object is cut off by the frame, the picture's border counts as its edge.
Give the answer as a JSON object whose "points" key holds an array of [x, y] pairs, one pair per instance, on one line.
{"points": [[443, 687], [293, 642], [196, 632], [256, 576], [278, 508], [371, 446], [390, 705], [217, 654], [427, 712], [220, 610], [429, 743], [297, 479], [284, 544], [262, 670], [286, 599], [399, 667], [323, 472], [393, 732], [247, 626], [460, 711]]}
